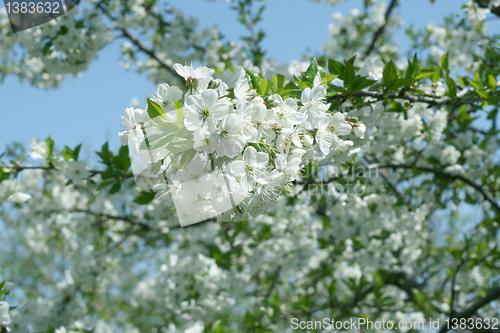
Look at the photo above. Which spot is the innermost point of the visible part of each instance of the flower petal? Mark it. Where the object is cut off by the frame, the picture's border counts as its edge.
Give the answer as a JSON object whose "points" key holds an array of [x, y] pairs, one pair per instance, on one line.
{"points": [[192, 121]]}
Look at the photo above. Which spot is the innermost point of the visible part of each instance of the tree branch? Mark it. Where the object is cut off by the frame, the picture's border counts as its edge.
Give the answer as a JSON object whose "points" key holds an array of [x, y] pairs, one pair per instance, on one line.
{"points": [[19, 168], [149, 52], [492, 295], [127, 219], [469, 182], [140, 45], [432, 101], [380, 30]]}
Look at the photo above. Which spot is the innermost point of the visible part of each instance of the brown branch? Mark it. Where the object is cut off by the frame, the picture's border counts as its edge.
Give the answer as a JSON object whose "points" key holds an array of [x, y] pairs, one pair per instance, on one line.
{"points": [[393, 187], [149, 52], [468, 181], [492, 295], [140, 45], [127, 219], [358, 297], [432, 101], [19, 168], [380, 30]]}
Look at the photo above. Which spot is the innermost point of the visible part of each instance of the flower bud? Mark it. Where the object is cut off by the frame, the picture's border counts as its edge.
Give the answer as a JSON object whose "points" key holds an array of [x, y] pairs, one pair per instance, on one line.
{"points": [[359, 130], [8, 286], [213, 84]]}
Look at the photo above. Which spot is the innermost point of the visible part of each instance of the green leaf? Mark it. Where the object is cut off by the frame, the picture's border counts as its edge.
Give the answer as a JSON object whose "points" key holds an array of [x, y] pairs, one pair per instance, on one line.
{"points": [[79, 24], [492, 82], [482, 93], [105, 183], [335, 67], [265, 85], [50, 147], [68, 154], [179, 147], [390, 75], [76, 152], [311, 71], [492, 114], [412, 68], [425, 73], [105, 154], [179, 111], [477, 85], [361, 83], [463, 115], [46, 48], [154, 110], [279, 81], [303, 84], [254, 79], [435, 76], [156, 167], [145, 197], [395, 106], [186, 157], [115, 188], [328, 78], [349, 73], [460, 80], [445, 65], [161, 141], [166, 128], [122, 161], [401, 82], [452, 87]]}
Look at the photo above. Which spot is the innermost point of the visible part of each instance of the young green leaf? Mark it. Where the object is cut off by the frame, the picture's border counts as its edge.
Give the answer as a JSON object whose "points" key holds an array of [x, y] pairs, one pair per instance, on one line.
{"points": [[279, 81], [452, 87], [445, 64], [349, 75], [254, 79], [154, 110], [179, 111], [390, 75], [115, 187], [425, 73], [50, 147], [335, 67], [145, 197]]}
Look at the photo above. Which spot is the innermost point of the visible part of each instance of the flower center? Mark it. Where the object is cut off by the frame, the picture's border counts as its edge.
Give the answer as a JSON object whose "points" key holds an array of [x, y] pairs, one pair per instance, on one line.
{"points": [[205, 113]]}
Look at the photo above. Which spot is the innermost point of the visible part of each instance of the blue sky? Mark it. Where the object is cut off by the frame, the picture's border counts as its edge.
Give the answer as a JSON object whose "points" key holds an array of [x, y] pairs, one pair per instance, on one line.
{"points": [[88, 109]]}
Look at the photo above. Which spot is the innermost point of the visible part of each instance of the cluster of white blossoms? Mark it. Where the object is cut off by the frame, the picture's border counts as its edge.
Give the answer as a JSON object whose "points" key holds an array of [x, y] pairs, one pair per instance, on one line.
{"points": [[347, 39], [230, 151], [4, 314], [64, 46]]}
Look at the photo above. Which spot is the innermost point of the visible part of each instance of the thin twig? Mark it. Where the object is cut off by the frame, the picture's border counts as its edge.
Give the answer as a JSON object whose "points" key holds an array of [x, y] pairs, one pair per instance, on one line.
{"points": [[432, 101], [468, 181], [127, 219], [380, 30], [492, 295], [19, 168], [127, 34]]}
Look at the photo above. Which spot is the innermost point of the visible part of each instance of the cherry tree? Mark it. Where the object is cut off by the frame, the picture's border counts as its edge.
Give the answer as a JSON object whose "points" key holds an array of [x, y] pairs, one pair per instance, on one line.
{"points": [[252, 196]]}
